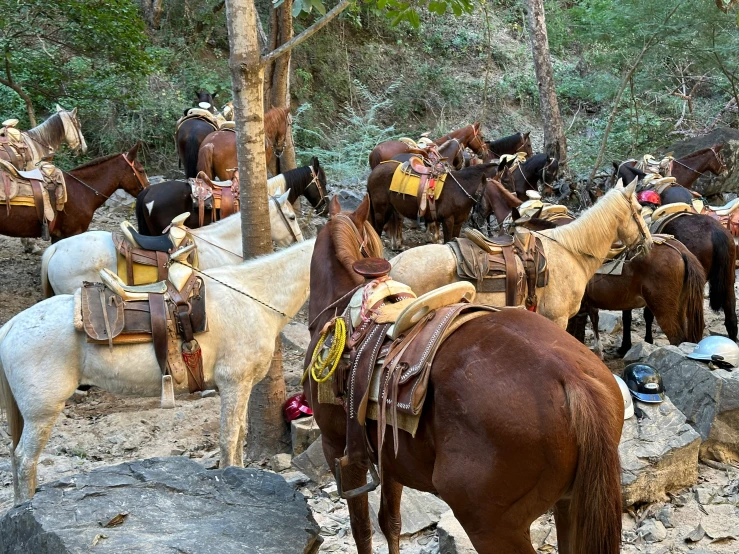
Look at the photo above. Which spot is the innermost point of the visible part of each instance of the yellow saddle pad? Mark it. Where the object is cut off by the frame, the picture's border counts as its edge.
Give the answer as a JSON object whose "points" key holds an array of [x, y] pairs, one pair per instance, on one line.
{"points": [[405, 182]]}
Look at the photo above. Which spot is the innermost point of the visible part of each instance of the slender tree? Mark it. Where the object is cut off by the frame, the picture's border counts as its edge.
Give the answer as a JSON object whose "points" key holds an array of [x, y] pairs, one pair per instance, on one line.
{"points": [[555, 143]]}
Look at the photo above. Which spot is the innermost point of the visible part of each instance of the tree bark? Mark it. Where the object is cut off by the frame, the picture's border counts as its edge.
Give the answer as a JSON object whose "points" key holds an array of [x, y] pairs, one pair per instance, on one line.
{"points": [[555, 143], [11, 84], [152, 12]]}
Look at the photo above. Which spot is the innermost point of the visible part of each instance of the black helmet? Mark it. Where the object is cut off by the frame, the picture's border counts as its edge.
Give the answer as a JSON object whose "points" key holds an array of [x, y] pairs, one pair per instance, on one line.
{"points": [[644, 382]]}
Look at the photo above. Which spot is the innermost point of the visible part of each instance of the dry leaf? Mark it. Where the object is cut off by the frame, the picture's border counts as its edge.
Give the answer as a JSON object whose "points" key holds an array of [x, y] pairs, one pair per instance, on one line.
{"points": [[117, 520], [98, 538]]}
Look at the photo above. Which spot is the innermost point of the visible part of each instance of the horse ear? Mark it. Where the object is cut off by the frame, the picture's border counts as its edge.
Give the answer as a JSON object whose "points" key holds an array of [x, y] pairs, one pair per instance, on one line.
{"points": [[131, 155], [631, 189], [619, 184], [283, 197], [196, 92], [526, 134], [214, 94], [59, 108], [615, 166], [334, 206], [476, 125], [74, 112], [362, 212], [515, 214], [314, 162], [718, 147]]}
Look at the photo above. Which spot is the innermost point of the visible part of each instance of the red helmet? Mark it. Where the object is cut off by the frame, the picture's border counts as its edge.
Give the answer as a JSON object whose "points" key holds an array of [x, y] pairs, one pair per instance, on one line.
{"points": [[296, 407], [648, 197]]}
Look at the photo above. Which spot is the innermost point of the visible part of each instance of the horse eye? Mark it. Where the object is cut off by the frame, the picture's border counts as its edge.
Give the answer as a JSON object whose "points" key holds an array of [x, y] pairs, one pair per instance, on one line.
{"points": [[292, 217]]}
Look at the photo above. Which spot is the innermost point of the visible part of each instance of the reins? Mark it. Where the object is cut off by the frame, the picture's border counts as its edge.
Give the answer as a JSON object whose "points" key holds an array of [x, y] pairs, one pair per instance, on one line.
{"points": [[284, 218], [97, 192]]}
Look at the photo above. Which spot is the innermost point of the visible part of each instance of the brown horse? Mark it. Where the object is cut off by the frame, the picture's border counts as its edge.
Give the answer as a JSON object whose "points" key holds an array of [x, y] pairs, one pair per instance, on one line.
{"points": [[511, 427], [462, 192], [688, 169], [498, 201], [88, 186], [468, 136], [526, 176], [217, 153], [518, 142]]}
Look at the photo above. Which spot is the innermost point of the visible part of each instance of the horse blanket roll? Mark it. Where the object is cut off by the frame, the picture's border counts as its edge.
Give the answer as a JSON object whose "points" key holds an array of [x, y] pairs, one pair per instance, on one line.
{"points": [[406, 181]]}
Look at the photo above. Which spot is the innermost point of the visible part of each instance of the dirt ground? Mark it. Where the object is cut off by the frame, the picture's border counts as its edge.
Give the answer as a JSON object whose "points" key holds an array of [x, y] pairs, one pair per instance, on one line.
{"points": [[97, 429]]}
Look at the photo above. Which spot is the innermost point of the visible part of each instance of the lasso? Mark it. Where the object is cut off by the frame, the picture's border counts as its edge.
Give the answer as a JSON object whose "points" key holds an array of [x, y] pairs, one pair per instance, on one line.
{"points": [[318, 365]]}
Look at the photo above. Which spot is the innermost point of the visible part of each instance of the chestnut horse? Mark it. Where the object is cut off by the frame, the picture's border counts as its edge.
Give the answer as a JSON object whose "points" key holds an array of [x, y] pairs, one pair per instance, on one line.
{"points": [[512, 427], [217, 153], [497, 201], [670, 195], [526, 176], [88, 186], [462, 192], [688, 169], [468, 136]]}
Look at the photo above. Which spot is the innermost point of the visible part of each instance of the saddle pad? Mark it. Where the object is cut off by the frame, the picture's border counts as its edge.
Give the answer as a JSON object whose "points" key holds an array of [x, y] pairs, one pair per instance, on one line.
{"points": [[102, 312], [143, 262], [210, 119], [406, 182], [52, 180]]}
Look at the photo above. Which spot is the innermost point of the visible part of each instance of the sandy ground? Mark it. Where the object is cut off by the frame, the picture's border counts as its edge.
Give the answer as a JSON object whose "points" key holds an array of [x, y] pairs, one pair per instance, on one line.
{"points": [[97, 429]]}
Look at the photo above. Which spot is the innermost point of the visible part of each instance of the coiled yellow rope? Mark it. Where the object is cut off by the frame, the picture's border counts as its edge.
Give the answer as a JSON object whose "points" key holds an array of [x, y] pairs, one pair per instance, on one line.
{"points": [[319, 365]]}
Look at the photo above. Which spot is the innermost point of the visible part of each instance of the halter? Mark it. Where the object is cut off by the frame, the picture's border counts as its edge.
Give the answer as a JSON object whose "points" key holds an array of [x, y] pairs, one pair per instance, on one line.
{"points": [[533, 187], [315, 181], [484, 147], [143, 181], [284, 218], [75, 126], [544, 174]]}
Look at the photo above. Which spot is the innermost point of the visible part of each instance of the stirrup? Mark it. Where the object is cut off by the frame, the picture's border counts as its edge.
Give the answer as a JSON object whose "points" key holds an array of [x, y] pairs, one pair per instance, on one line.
{"points": [[364, 489]]}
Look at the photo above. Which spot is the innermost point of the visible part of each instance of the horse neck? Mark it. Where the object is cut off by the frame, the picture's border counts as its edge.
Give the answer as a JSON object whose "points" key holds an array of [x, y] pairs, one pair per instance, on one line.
{"points": [[335, 283], [47, 137], [503, 202], [507, 145], [99, 178], [590, 236], [296, 181], [533, 166], [281, 279], [218, 242]]}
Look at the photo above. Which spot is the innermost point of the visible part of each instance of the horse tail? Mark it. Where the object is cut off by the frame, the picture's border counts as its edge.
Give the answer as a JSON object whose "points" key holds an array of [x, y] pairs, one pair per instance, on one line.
{"points": [[374, 158], [191, 155], [721, 276], [46, 288], [205, 161], [142, 221], [595, 509], [691, 298], [8, 403]]}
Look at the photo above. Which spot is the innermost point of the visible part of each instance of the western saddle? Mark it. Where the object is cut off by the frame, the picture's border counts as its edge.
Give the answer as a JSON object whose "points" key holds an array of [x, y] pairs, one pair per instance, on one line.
{"points": [[42, 188], [220, 197], [423, 176], [375, 359], [167, 312], [512, 264], [13, 147]]}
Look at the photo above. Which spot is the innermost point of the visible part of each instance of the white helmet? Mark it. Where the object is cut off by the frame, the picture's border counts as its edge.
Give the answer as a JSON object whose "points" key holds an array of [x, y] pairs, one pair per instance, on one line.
{"points": [[628, 402], [716, 349]]}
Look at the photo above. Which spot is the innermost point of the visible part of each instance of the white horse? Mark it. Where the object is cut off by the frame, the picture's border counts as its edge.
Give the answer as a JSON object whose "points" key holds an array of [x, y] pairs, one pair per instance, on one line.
{"points": [[574, 252], [70, 261], [43, 359]]}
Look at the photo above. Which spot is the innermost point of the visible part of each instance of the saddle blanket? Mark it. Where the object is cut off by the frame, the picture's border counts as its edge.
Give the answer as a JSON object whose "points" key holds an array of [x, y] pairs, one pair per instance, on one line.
{"points": [[615, 265], [405, 181], [18, 191]]}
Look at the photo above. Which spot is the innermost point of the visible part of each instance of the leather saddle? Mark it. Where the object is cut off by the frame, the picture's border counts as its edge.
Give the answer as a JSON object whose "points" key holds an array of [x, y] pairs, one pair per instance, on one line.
{"points": [[221, 197], [514, 265], [667, 213], [430, 171], [167, 313], [727, 215], [388, 358]]}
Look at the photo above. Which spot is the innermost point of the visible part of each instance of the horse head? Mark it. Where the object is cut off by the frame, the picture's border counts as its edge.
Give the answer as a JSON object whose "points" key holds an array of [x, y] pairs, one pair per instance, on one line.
{"points": [[549, 174], [140, 181], [632, 229], [284, 223], [525, 145], [319, 176], [72, 129], [717, 164], [203, 96], [477, 143]]}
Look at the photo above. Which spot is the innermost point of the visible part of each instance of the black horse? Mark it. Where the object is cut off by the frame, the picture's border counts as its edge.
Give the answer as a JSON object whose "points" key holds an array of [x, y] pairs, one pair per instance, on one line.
{"points": [[526, 176], [157, 205], [191, 134], [675, 193], [203, 96]]}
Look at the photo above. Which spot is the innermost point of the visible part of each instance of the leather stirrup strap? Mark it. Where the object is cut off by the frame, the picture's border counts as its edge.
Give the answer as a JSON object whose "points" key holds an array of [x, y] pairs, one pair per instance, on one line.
{"points": [[511, 281], [227, 202], [106, 320], [38, 199], [158, 311], [6, 187], [162, 269], [129, 264]]}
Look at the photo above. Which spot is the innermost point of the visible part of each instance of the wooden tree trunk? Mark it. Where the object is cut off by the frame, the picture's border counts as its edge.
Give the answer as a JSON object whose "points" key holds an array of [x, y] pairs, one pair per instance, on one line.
{"points": [[555, 142], [10, 83], [266, 427]]}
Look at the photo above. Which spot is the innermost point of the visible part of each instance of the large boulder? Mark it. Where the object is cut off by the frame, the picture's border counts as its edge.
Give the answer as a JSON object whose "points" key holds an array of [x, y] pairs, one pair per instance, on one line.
{"points": [[659, 453], [710, 184], [708, 398], [162, 505]]}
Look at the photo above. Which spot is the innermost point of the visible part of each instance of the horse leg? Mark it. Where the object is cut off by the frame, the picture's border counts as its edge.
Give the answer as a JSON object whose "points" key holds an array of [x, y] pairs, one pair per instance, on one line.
{"points": [[594, 319], [447, 229], [648, 321], [33, 440], [30, 247], [730, 320], [389, 515], [563, 523], [626, 340], [234, 403]]}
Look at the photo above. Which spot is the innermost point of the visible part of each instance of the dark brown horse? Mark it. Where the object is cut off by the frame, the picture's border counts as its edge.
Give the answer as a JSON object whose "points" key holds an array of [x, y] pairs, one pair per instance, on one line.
{"points": [[189, 136], [518, 142], [670, 195], [526, 176], [468, 136], [160, 203], [497, 201], [461, 193], [511, 427], [688, 169], [88, 186], [217, 154], [203, 96]]}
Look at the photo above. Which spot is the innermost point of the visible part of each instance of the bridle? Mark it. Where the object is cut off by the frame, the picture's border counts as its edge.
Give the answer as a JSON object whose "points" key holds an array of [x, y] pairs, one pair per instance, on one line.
{"points": [[544, 174], [640, 223], [143, 181], [715, 155], [483, 150], [317, 182], [284, 218], [361, 237], [76, 126]]}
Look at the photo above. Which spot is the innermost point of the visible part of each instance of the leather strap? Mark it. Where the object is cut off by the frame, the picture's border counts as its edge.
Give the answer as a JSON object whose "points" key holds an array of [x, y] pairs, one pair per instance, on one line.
{"points": [[158, 311], [106, 319], [162, 263], [227, 202], [6, 188], [38, 199], [510, 276], [129, 265]]}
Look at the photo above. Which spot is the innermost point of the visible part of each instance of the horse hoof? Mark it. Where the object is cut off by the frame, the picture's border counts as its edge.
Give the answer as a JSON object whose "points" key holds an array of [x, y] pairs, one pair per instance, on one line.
{"points": [[622, 351]]}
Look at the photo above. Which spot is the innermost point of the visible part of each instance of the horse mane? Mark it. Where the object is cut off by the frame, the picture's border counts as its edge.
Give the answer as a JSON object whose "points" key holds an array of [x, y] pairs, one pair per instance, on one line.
{"points": [[506, 142], [275, 122], [347, 245], [600, 220], [96, 161], [696, 153], [509, 198], [296, 175], [537, 162], [48, 131]]}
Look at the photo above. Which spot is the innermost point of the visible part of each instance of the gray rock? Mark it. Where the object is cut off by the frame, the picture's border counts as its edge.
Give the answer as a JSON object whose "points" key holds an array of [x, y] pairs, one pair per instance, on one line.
{"points": [[349, 199], [280, 462], [639, 352], [708, 398], [295, 478], [696, 534], [418, 510], [312, 462], [710, 184], [665, 516], [172, 505], [452, 538], [652, 531], [296, 335], [658, 454], [303, 433], [609, 322]]}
